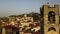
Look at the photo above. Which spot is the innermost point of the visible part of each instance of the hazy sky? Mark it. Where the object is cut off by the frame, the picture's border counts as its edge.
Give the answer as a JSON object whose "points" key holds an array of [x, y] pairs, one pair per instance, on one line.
{"points": [[16, 7]]}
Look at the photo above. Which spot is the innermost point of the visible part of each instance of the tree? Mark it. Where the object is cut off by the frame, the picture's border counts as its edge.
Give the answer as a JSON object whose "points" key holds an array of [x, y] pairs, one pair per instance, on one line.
{"points": [[35, 15]]}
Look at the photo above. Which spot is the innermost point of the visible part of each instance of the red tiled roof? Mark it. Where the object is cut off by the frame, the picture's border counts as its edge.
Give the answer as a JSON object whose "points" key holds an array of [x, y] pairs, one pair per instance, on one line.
{"points": [[11, 27], [35, 32]]}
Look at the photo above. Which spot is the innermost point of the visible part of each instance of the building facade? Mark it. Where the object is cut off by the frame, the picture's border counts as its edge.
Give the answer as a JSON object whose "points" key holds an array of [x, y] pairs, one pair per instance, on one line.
{"points": [[50, 19]]}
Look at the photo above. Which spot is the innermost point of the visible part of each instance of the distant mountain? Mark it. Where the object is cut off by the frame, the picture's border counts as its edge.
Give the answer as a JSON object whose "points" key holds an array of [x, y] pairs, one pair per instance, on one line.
{"points": [[32, 14]]}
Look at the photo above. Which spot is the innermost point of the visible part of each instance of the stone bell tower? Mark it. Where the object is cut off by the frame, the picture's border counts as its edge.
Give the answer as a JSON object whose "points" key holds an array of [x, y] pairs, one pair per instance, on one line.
{"points": [[50, 18]]}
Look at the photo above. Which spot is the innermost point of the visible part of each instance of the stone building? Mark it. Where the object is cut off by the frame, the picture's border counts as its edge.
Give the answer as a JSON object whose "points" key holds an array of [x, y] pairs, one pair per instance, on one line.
{"points": [[49, 19]]}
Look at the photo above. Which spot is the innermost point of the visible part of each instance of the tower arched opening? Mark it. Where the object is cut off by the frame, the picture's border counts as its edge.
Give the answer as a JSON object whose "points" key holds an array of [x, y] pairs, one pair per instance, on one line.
{"points": [[51, 17]]}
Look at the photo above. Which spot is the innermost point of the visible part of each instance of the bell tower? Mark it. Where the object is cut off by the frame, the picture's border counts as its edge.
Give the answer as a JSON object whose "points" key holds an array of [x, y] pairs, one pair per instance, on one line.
{"points": [[50, 18]]}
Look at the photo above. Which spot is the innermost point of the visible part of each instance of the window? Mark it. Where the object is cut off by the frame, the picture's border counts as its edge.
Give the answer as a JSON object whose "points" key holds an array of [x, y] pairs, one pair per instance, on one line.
{"points": [[51, 16]]}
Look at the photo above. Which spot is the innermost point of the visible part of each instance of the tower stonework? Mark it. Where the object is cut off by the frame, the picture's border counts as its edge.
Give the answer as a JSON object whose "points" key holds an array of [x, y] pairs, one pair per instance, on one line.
{"points": [[50, 16]]}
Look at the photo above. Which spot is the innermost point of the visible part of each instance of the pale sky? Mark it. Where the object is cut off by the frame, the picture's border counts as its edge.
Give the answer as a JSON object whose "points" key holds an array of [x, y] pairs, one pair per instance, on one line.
{"points": [[16, 7]]}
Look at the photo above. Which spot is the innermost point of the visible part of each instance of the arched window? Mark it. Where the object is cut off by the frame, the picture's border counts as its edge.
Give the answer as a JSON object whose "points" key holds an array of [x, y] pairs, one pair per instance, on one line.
{"points": [[52, 28], [51, 16]]}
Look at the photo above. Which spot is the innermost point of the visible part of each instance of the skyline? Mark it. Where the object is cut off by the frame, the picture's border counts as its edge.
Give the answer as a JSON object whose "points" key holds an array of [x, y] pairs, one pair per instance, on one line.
{"points": [[16, 7]]}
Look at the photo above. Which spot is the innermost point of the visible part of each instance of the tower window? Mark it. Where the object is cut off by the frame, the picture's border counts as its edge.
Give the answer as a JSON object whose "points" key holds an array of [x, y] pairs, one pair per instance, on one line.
{"points": [[52, 28], [51, 16]]}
